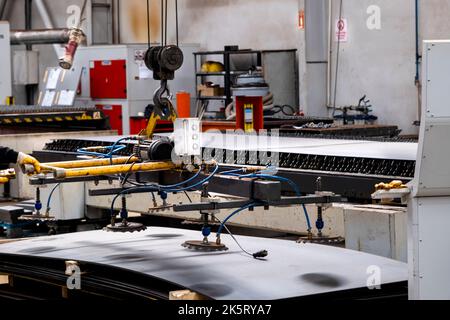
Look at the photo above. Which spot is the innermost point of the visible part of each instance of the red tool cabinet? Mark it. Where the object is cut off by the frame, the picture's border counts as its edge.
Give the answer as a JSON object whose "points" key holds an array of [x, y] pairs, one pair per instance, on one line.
{"points": [[108, 79], [115, 116]]}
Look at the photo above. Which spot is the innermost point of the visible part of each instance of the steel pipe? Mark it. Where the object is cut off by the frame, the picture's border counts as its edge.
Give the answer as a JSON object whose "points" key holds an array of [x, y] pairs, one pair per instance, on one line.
{"points": [[112, 170], [37, 37], [91, 163]]}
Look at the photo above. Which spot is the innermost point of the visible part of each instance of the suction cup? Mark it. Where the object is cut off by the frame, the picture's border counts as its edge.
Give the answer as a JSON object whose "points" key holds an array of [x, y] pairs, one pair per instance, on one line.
{"points": [[203, 246], [322, 240], [125, 227]]}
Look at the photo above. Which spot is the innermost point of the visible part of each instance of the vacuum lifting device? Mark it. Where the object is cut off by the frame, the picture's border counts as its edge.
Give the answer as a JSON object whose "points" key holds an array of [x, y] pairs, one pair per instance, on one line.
{"points": [[148, 154]]}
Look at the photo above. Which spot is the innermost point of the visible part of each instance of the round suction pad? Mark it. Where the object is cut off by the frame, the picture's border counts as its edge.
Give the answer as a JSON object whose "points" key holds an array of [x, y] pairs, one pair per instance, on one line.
{"points": [[126, 227], [322, 240], [204, 247]]}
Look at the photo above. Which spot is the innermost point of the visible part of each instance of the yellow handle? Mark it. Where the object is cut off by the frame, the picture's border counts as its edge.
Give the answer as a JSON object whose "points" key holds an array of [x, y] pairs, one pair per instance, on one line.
{"points": [[3, 180], [113, 170]]}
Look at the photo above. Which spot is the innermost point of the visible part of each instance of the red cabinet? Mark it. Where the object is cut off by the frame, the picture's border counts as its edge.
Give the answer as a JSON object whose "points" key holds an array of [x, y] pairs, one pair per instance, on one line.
{"points": [[250, 113], [115, 116], [137, 124], [108, 79]]}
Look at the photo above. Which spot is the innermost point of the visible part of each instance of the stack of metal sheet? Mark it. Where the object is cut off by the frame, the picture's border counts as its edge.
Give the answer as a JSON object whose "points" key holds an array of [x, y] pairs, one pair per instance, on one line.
{"points": [[290, 271]]}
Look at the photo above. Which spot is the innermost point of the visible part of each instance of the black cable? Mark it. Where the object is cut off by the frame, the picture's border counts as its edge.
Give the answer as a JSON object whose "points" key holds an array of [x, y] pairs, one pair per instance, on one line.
{"points": [[258, 255], [83, 9], [162, 22], [154, 199], [148, 24], [127, 176], [176, 22], [337, 63], [119, 35], [165, 24], [282, 109], [189, 198], [136, 184], [286, 106], [3, 9]]}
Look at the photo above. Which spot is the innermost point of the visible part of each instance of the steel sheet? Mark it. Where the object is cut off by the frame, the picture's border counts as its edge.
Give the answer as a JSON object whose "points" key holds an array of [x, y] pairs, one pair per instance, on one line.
{"points": [[291, 270], [322, 147]]}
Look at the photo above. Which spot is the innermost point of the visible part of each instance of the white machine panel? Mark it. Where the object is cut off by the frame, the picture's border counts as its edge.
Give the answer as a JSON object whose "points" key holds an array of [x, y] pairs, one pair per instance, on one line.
{"points": [[437, 64], [432, 169], [187, 135], [26, 67], [5, 58], [67, 202], [432, 258], [429, 205]]}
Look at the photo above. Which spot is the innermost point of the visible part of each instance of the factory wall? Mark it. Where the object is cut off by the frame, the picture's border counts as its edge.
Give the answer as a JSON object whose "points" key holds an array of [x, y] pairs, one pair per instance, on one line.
{"points": [[212, 24], [60, 15], [256, 24], [379, 62], [378, 59]]}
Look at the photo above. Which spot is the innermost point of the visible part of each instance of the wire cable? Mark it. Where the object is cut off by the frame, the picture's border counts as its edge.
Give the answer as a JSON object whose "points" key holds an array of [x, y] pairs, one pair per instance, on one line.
{"points": [[176, 22], [114, 149], [83, 9], [222, 226], [147, 188], [128, 174], [49, 200], [189, 198], [185, 182], [336, 80], [282, 109], [165, 23], [169, 186], [207, 179], [226, 173], [3, 8], [159, 188], [162, 22], [148, 24], [257, 256], [111, 152], [119, 141]]}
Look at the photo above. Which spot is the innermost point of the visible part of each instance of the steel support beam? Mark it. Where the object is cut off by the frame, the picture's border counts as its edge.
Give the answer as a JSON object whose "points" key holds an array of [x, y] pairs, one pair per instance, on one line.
{"points": [[250, 189], [286, 201]]}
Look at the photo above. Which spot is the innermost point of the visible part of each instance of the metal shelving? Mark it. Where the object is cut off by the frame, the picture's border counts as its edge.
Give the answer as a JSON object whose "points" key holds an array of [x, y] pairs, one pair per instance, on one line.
{"points": [[219, 74], [228, 74], [212, 98]]}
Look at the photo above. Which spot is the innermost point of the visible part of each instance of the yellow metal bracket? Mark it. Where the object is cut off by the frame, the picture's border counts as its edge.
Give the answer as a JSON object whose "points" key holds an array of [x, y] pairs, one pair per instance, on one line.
{"points": [[7, 175], [100, 167], [153, 121], [163, 110]]}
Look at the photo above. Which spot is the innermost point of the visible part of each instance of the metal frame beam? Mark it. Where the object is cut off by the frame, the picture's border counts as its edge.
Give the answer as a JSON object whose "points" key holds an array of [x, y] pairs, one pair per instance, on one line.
{"points": [[286, 201]]}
